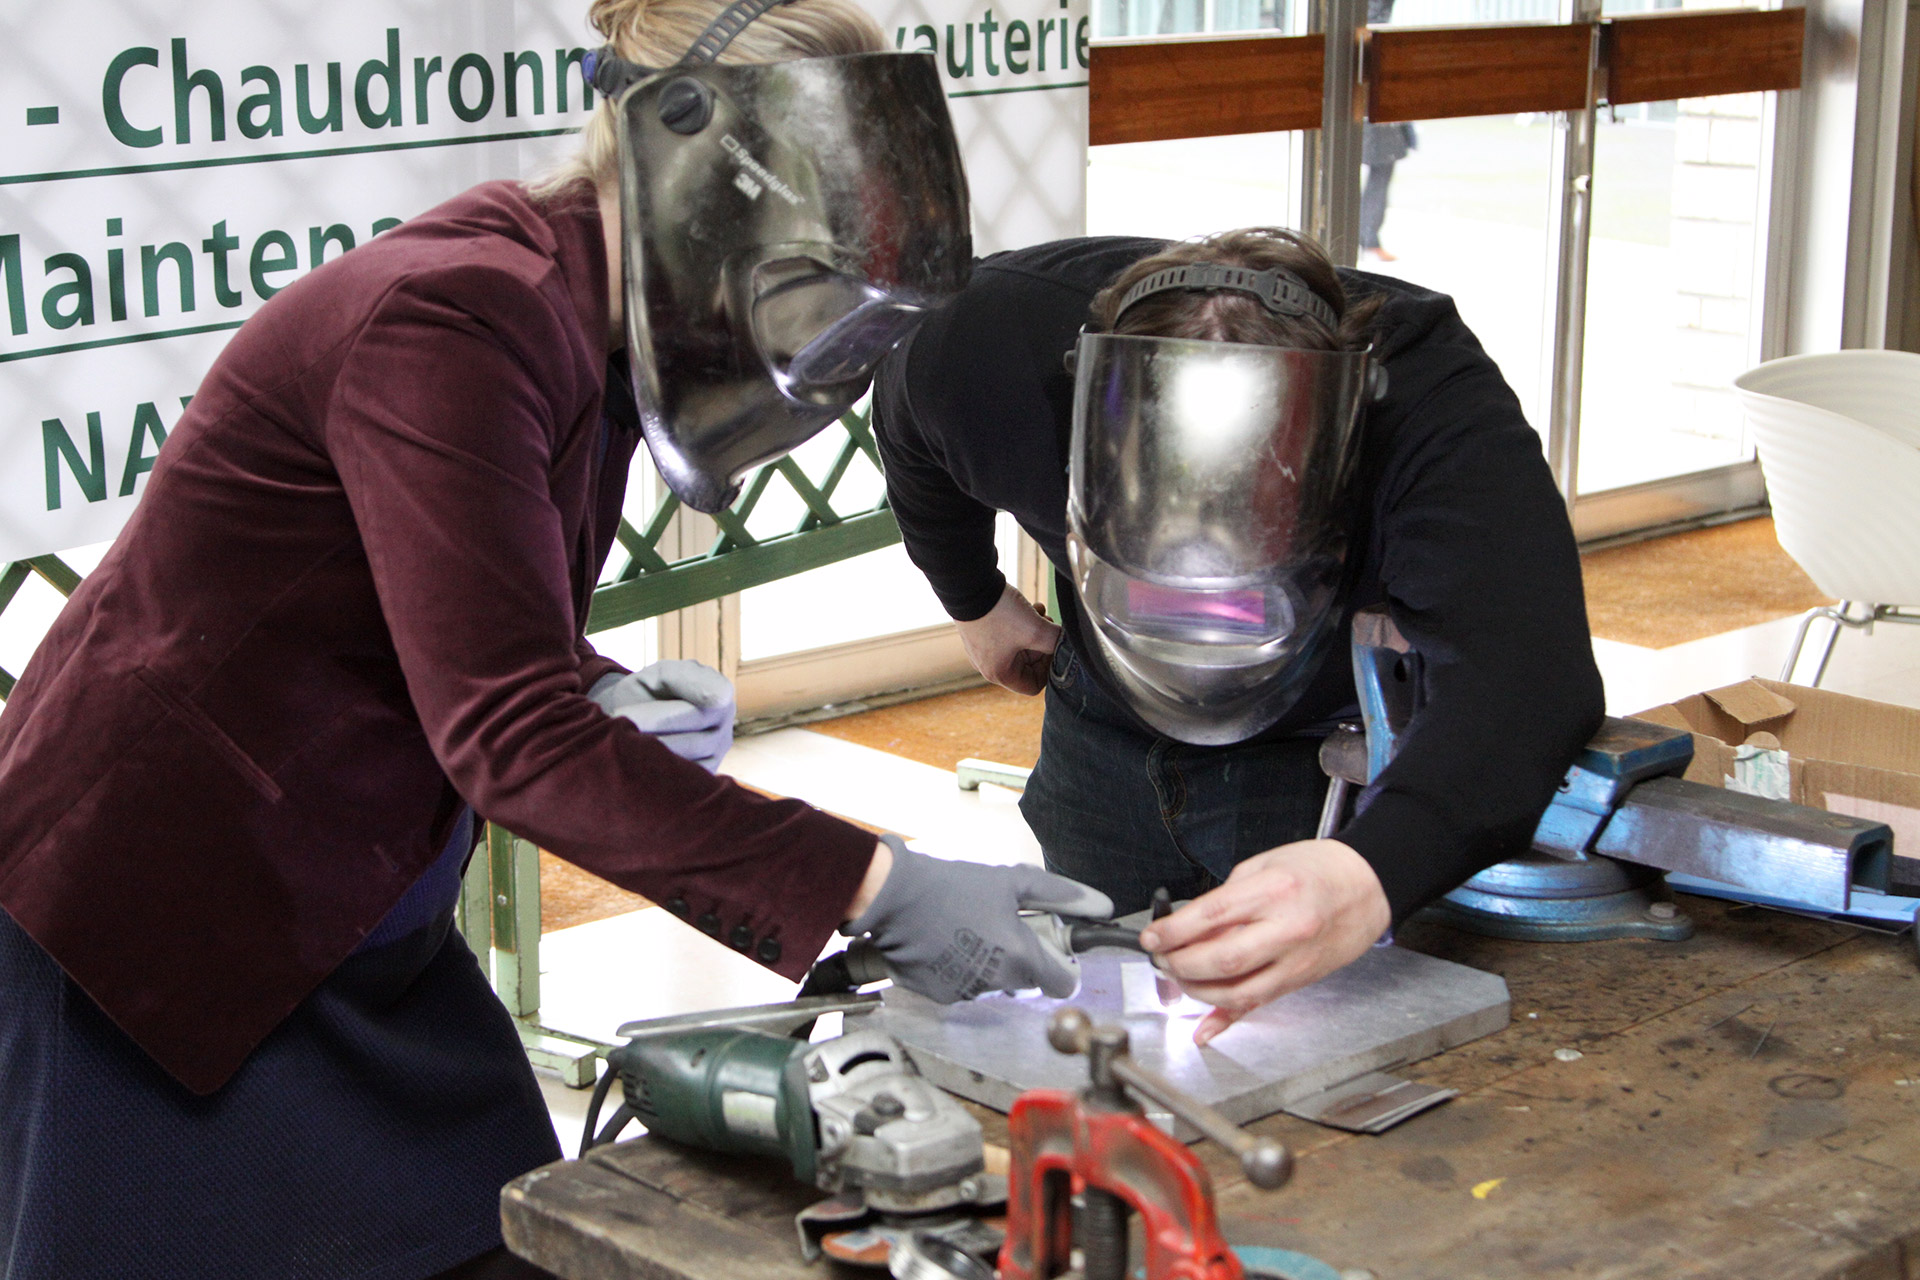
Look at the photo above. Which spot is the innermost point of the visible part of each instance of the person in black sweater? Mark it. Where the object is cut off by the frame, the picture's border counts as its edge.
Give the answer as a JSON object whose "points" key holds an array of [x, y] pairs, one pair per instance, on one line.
{"points": [[1455, 524]]}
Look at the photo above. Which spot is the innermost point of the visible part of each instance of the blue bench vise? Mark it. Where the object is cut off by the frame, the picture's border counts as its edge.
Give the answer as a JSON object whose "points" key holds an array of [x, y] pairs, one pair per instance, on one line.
{"points": [[1623, 817]]}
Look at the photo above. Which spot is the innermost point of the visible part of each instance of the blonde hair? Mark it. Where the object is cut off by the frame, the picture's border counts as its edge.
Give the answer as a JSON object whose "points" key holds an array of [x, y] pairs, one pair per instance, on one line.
{"points": [[655, 33]]}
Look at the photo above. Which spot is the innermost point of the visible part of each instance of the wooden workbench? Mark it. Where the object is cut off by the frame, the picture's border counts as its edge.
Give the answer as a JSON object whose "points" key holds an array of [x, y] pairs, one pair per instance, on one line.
{"points": [[1743, 1104]]}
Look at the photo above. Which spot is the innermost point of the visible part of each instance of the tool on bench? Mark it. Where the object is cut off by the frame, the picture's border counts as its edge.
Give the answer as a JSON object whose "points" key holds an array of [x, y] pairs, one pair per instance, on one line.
{"points": [[1163, 986], [1622, 817], [906, 1163], [861, 962], [851, 1115], [1097, 1145]]}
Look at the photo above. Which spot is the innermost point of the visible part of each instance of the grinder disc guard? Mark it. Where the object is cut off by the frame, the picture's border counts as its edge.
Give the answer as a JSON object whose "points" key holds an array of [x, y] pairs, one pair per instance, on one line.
{"points": [[847, 1229]]}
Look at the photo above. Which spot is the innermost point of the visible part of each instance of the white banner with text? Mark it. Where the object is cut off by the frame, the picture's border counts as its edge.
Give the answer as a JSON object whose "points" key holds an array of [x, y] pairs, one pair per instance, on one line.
{"points": [[167, 166]]}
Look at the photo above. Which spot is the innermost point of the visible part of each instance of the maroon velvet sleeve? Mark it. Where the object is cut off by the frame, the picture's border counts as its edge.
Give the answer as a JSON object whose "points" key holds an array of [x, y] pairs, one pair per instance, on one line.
{"points": [[593, 666], [443, 430]]}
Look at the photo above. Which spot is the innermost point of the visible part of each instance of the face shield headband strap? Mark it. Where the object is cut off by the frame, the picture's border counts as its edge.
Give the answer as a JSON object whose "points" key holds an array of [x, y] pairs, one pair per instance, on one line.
{"points": [[1279, 290], [610, 73]]}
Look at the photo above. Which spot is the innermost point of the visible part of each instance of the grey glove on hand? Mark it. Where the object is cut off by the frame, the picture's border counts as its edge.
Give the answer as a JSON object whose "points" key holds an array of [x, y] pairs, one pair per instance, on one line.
{"points": [[951, 930], [686, 705]]}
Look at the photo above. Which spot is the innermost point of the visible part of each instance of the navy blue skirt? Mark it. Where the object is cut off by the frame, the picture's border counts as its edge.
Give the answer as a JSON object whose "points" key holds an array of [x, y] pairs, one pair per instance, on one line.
{"points": [[367, 1138]]}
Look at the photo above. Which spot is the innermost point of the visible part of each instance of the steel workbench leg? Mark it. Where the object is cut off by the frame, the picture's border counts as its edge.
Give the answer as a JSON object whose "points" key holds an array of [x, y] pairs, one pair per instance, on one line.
{"points": [[501, 894]]}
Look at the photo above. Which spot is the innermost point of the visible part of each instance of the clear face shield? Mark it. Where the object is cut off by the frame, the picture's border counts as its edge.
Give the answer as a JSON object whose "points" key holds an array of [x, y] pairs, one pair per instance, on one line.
{"points": [[1208, 522], [784, 225]]}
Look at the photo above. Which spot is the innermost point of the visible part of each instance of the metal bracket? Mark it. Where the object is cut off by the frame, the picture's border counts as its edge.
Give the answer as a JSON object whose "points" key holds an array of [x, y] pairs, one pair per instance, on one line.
{"points": [[1372, 1103], [970, 773], [780, 1019], [569, 1056]]}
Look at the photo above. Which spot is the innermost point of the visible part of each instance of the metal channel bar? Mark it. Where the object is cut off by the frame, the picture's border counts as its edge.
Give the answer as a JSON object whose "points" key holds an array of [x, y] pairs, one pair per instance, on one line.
{"points": [[1571, 217], [1332, 204], [1770, 846]]}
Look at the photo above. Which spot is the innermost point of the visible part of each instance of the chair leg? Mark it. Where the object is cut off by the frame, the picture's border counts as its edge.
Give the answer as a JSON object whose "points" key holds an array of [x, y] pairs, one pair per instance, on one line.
{"points": [[1799, 642], [1826, 655]]}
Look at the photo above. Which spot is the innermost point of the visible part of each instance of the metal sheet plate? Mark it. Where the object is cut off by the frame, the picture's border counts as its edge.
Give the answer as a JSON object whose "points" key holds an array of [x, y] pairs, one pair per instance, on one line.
{"points": [[1386, 1009]]}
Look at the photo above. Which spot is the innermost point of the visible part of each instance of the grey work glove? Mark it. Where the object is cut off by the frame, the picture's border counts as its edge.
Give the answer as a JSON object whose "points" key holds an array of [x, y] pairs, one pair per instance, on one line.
{"points": [[951, 930], [687, 705]]}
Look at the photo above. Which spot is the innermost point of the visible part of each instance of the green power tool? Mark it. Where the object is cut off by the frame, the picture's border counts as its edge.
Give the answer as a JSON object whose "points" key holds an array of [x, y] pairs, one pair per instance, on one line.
{"points": [[851, 1115]]}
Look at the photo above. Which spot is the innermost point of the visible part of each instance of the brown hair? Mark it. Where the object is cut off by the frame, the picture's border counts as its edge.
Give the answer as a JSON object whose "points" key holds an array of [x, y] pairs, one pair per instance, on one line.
{"points": [[655, 33], [1222, 315]]}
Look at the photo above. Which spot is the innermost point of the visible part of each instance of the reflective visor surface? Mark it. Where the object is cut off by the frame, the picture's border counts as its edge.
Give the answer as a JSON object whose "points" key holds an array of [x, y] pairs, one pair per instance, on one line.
{"points": [[1209, 514], [822, 332], [777, 243], [1211, 464]]}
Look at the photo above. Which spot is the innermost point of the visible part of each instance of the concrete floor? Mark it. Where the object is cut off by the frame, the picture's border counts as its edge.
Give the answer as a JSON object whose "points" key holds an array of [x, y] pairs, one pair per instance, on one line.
{"points": [[647, 964]]}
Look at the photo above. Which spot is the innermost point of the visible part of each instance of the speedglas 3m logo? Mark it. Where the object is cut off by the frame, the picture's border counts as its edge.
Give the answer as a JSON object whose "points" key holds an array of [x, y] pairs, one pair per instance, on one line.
{"points": [[754, 176]]}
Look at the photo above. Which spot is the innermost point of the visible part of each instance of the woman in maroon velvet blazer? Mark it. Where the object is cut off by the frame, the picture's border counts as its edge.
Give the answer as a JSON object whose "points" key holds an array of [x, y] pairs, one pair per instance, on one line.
{"points": [[238, 779]]}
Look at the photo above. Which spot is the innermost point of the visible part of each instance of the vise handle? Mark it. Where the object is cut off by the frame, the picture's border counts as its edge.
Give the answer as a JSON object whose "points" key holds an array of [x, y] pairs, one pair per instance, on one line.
{"points": [[1266, 1163]]}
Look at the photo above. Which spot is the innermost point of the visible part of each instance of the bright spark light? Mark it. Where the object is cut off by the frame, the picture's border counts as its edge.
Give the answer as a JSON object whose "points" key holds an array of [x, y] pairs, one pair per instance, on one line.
{"points": [[1220, 404]]}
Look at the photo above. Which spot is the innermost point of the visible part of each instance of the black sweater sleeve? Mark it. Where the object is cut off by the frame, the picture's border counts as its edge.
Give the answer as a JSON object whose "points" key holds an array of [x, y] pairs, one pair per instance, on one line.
{"points": [[948, 534], [1478, 565], [973, 412]]}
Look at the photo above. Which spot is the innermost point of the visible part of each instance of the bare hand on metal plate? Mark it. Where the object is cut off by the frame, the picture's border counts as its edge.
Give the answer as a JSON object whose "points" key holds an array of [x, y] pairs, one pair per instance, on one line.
{"points": [[1011, 644], [1283, 920]]}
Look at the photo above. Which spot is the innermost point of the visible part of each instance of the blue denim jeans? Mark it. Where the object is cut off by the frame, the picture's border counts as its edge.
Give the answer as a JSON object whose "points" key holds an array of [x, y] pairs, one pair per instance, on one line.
{"points": [[1126, 811]]}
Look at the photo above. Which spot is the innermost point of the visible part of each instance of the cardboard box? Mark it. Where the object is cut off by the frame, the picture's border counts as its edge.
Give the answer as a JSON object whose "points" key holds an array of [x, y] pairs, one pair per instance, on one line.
{"points": [[1827, 750]]}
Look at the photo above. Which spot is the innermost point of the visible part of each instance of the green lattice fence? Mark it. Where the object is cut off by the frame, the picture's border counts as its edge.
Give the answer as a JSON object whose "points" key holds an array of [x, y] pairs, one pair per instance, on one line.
{"points": [[51, 569], [649, 584]]}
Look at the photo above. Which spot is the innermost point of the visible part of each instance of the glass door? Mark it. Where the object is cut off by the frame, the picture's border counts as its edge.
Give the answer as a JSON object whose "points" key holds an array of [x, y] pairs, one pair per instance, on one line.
{"points": [[1679, 231], [1595, 194], [1468, 212], [1685, 213]]}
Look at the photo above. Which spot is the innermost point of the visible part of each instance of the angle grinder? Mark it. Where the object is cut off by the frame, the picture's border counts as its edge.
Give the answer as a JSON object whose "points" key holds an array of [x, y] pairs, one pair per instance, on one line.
{"points": [[851, 1115]]}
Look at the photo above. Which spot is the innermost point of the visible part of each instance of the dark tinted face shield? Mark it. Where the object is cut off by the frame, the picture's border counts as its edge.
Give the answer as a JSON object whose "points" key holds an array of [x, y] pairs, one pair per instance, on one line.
{"points": [[1234, 615], [1208, 522], [784, 225]]}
